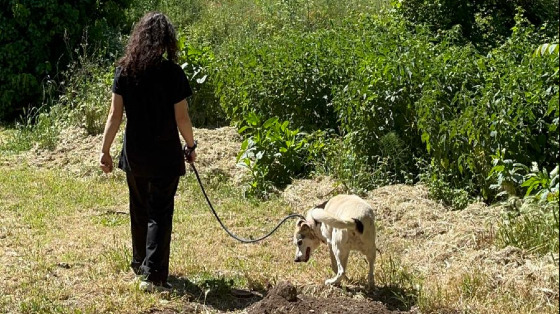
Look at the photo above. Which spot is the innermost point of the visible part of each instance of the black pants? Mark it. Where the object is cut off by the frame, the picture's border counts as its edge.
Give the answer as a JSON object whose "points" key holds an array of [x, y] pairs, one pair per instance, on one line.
{"points": [[151, 220]]}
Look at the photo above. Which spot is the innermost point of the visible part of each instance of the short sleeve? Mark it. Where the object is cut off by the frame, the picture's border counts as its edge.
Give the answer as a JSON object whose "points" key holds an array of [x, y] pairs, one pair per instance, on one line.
{"points": [[117, 87], [182, 86]]}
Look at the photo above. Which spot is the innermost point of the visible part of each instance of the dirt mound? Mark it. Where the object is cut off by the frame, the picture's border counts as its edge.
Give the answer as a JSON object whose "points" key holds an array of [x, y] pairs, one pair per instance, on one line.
{"points": [[284, 298]]}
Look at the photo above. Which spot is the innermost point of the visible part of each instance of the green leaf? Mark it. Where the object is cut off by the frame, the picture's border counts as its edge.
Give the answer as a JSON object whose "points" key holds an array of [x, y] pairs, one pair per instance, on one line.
{"points": [[270, 122]]}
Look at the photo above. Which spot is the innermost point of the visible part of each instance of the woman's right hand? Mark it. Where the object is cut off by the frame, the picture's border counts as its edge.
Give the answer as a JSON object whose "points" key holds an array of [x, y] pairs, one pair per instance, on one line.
{"points": [[106, 162]]}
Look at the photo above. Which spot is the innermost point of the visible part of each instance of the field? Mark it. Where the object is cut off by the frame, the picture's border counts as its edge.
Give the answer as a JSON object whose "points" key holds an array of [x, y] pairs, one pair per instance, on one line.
{"points": [[64, 245]]}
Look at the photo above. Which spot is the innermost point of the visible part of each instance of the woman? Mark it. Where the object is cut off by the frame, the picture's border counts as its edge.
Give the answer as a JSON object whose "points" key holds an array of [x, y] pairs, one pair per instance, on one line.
{"points": [[152, 89]]}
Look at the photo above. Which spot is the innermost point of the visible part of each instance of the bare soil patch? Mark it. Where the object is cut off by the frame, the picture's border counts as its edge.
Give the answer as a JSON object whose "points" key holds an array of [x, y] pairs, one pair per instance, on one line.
{"points": [[283, 298]]}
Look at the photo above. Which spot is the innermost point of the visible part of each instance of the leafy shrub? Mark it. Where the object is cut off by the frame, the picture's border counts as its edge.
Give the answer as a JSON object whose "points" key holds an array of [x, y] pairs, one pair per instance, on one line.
{"points": [[375, 108], [272, 153], [485, 23], [204, 106], [36, 126], [282, 77], [456, 197], [396, 95], [508, 176], [37, 39], [545, 185], [534, 225], [475, 106], [86, 94]]}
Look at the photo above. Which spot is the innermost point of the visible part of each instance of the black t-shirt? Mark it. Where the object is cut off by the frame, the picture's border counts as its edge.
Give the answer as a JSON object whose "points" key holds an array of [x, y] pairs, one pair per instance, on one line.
{"points": [[152, 147]]}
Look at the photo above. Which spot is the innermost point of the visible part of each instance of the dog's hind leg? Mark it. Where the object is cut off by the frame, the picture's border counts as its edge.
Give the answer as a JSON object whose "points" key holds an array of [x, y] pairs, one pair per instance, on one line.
{"points": [[371, 262]]}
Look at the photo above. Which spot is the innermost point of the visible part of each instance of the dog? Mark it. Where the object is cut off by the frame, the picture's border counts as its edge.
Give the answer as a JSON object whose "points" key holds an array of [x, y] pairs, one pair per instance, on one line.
{"points": [[344, 223]]}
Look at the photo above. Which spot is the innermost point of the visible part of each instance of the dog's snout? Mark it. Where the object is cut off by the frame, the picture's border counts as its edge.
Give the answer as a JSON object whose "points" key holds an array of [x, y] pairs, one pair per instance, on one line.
{"points": [[297, 260]]}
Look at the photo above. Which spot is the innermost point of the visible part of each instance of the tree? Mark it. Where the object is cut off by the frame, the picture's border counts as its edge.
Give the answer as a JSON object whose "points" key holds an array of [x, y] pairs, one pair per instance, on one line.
{"points": [[37, 39]]}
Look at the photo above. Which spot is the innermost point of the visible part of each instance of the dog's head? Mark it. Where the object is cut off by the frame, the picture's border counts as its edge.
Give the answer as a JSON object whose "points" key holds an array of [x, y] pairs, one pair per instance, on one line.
{"points": [[305, 240]]}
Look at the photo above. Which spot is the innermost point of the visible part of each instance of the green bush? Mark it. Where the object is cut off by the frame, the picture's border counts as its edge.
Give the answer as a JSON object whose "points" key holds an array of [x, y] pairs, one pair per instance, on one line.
{"points": [[86, 94], [475, 106], [485, 23], [38, 38], [375, 108], [397, 93], [271, 152], [288, 76], [198, 64]]}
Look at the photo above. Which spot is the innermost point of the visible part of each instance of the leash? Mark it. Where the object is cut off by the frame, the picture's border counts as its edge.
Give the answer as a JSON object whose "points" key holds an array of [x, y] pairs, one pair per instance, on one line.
{"points": [[226, 229]]}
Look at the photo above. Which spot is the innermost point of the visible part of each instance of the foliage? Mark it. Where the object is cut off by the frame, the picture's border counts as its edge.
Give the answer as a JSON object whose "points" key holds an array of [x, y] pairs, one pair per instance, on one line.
{"points": [[271, 152], [546, 49], [534, 228], [374, 107], [282, 77], [38, 39], [543, 183], [485, 23], [181, 12], [475, 106], [81, 99], [86, 93], [383, 88], [221, 22], [456, 197], [535, 225], [204, 107], [507, 174], [36, 126]]}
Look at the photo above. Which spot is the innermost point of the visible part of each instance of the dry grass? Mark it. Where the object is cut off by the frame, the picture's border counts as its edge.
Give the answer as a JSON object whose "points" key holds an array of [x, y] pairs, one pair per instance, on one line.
{"points": [[64, 242]]}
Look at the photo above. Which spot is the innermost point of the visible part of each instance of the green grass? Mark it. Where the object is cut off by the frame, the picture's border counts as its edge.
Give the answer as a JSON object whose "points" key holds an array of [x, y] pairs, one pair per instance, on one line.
{"points": [[534, 228], [69, 234]]}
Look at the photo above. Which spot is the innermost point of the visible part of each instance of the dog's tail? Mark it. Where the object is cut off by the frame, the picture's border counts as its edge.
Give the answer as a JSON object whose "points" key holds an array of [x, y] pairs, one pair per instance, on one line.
{"points": [[323, 216]]}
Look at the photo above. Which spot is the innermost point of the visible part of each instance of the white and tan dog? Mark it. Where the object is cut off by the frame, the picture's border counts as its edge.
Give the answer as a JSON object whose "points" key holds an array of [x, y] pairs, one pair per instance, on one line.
{"points": [[344, 223]]}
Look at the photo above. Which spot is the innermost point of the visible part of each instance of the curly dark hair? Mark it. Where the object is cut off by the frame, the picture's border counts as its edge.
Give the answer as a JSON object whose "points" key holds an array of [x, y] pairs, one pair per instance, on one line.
{"points": [[152, 37]]}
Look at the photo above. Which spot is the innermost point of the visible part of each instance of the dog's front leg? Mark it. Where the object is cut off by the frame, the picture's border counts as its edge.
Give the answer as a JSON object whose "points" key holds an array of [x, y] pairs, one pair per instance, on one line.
{"points": [[341, 257], [340, 252], [334, 263]]}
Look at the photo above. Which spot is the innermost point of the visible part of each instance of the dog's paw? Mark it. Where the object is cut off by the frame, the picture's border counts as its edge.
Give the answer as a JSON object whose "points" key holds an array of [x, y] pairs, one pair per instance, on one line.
{"points": [[333, 281]]}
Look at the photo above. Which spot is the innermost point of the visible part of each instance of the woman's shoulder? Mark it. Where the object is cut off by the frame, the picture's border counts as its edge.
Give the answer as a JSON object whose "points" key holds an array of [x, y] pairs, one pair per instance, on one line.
{"points": [[171, 66]]}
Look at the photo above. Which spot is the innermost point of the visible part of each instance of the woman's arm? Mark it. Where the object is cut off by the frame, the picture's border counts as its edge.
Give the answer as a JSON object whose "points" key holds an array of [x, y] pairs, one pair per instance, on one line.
{"points": [[111, 128], [184, 125]]}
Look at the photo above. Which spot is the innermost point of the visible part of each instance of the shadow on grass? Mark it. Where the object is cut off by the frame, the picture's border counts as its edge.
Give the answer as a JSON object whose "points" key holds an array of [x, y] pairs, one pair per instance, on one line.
{"points": [[218, 294], [393, 297]]}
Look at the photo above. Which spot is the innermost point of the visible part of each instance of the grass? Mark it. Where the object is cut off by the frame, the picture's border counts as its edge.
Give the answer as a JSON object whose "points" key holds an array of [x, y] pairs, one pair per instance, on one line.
{"points": [[65, 248], [535, 228], [65, 244]]}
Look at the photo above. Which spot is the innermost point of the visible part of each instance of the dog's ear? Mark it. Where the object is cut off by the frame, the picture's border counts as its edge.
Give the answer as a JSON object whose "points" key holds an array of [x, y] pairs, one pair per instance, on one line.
{"points": [[304, 225]]}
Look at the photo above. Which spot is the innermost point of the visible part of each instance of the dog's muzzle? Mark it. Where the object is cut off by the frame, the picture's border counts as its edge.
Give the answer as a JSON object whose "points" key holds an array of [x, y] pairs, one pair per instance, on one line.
{"points": [[306, 257]]}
